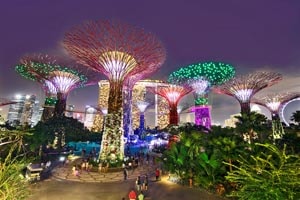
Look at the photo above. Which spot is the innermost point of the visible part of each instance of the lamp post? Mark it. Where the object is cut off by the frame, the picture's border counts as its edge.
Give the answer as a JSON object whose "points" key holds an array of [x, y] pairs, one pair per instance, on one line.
{"points": [[142, 106]]}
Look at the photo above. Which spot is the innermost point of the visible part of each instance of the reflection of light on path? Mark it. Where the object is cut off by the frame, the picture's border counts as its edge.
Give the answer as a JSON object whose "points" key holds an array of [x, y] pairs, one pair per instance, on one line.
{"points": [[283, 108]]}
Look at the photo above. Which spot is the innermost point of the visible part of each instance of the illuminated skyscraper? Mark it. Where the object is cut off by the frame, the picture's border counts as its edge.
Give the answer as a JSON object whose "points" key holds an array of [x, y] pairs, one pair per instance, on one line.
{"points": [[21, 112]]}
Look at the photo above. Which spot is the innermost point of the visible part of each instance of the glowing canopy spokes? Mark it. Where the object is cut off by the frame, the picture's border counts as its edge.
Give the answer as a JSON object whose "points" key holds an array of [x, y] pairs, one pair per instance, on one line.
{"points": [[50, 88], [117, 64], [243, 95], [244, 87], [274, 101], [200, 86], [173, 94], [100, 44], [142, 105], [64, 81]]}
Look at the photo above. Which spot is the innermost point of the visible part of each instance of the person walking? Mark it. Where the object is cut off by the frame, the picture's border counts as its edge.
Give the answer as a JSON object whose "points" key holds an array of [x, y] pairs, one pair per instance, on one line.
{"points": [[157, 174], [132, 195], [141, 196], [125, 172], [145, 183], [138, 183]]}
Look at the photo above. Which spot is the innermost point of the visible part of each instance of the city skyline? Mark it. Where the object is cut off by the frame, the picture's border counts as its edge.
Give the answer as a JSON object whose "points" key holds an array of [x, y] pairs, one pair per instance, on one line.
{"points": [[252, 35]]}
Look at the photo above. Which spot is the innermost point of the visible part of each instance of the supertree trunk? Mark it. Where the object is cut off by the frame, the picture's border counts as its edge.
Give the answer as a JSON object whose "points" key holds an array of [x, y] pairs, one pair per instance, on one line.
{"points": [[47, 113], [245, 107], [112, 145], [60, 105], [202, 110], [275, 116], [115, 97], [142, 122], [202, 116], [277, 128], [174, 119]]}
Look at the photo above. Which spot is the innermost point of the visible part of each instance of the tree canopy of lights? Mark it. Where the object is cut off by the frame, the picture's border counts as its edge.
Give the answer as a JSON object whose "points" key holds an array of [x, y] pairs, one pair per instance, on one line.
{"points": [[244, 87], [36, 67], [117, 50], [173, 94], [201, 77], [273, 103], [55, 79]]}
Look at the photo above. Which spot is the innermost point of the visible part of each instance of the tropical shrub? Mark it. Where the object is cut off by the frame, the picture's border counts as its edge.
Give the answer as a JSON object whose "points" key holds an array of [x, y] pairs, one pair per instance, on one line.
{"points": [[12, 184], [269, 175]]}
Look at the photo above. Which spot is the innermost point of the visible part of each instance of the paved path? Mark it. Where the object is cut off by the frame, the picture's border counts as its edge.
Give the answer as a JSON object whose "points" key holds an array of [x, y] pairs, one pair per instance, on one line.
{"points": [[63, 185], [65, 173]]}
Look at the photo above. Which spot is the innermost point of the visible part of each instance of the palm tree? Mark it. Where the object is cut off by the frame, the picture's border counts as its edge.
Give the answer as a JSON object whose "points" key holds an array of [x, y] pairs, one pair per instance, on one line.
{"points": [[249, 124], [296, 117]]}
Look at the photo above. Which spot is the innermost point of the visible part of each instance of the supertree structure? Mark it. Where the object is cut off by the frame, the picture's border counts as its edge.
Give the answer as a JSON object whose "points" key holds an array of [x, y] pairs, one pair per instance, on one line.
{"points": [[50, 99], [142, 105], [173, 94], [36, 68], [273, 103], [244, 87], [5, 101], [65, 80], [128, 89], [56, 79], [201, 77], [118, 51]]}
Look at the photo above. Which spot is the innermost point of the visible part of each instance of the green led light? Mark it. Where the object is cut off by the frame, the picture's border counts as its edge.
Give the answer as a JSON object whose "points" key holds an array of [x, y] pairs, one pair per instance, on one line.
{"points": [[201, 101], [215, 72]]}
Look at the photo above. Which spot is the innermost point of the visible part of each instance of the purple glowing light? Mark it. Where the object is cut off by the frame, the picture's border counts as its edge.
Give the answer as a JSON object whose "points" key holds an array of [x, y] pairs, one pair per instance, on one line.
{"points": [[200, 86], [243, 95], [64, 81]]}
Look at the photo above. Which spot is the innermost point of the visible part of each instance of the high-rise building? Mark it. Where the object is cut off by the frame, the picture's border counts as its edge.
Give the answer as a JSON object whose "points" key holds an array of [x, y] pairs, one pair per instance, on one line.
{"points": [[21, 112], [157, 115], [37, 113]]}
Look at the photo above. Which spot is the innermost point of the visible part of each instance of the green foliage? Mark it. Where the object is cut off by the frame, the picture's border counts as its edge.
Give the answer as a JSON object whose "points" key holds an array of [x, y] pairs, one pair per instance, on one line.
{"points": [[12, 185], [44, 132], [271, 174], [188, 158], [210, 168], [296, 117], [254, 124]]}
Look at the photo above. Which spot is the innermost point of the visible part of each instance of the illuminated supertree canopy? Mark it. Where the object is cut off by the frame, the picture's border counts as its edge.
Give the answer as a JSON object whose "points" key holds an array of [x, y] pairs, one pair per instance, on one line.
{"points": [[36, 67], [274, 101], [244, 87], [55, 78], [201, 77], [173, 94], [118, 51], [65, 79], [115, 49]]}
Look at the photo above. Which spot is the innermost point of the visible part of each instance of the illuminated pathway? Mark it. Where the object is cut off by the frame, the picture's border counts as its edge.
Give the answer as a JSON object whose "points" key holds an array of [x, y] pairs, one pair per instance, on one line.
{"points": [[110, 187]]}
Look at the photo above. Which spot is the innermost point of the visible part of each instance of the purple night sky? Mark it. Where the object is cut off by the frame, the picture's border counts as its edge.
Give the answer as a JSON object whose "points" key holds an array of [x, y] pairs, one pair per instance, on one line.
{"points": [[250, 35]]}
